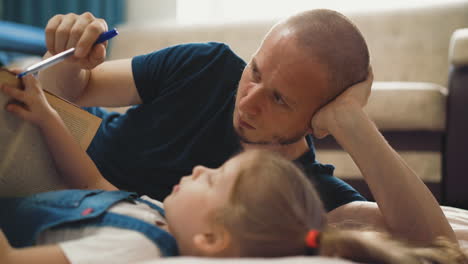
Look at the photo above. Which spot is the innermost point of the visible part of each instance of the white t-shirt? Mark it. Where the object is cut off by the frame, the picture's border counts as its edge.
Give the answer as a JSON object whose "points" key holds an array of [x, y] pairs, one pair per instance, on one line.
{"points": [[108, 244]]}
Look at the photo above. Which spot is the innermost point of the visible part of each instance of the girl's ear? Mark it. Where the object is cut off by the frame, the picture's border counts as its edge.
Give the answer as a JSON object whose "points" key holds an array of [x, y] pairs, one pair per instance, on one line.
{"points": [[213, 243]]}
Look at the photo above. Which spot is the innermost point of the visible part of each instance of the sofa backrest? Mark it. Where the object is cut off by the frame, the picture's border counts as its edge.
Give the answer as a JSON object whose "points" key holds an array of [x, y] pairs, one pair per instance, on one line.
{"points": [[412, 44], [405, 44]]}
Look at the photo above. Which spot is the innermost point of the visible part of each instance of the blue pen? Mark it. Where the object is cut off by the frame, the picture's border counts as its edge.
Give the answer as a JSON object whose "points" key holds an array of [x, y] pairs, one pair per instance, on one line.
{"points": [[63, 55]]}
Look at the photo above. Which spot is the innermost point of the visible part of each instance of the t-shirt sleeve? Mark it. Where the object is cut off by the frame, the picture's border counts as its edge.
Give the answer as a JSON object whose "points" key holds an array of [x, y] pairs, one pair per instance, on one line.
{"points": [[333, 191], [157, 73], [125, 246]]}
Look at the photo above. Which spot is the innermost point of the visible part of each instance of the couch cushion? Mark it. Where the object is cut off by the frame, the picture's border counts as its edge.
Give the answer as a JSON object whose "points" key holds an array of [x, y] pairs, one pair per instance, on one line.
{"points": [[396, 106], [412, 44], [427, 165], [458, 53]]}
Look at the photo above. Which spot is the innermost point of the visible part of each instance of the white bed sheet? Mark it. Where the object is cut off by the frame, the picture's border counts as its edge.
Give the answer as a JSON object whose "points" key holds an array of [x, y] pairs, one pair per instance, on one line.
{"points": [[458, 219]]}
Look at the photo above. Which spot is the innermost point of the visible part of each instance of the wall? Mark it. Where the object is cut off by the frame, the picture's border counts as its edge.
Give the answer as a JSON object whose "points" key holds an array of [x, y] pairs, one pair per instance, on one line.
{"points": [[141, 11]]}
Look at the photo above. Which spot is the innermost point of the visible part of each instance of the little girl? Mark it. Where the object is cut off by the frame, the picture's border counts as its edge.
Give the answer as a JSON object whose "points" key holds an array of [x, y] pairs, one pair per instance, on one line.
{"points": [[256, 205]]}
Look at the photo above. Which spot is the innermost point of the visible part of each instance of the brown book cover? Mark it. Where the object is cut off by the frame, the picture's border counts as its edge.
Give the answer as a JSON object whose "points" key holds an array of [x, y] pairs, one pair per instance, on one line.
{"points": [[26, 166]]}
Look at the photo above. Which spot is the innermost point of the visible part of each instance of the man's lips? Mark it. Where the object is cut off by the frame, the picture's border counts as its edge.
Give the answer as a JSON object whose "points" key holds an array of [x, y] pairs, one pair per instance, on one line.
{"points": [[176, 188], [244, 124]]}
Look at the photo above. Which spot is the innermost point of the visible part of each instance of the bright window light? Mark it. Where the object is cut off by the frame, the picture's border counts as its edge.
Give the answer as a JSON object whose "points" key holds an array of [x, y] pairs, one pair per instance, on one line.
{"points": [[190, 11]]}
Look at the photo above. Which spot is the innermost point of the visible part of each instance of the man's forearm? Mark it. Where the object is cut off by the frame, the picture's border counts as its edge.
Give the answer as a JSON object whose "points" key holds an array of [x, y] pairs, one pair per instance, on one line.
{"points": [[66, 80], [406, 204]]}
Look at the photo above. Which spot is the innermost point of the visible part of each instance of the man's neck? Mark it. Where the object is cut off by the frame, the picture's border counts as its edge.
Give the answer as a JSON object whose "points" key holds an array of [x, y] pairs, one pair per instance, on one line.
{"points": [[290, 151]]}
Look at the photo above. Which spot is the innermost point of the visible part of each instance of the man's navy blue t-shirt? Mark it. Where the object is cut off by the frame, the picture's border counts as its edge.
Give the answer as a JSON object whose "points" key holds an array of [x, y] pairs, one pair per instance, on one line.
{"points": [[188, 94]]}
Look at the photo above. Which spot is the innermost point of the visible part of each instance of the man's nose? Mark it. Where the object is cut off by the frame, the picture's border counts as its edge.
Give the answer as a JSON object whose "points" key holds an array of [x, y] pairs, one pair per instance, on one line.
{"points": [[251, 102]]}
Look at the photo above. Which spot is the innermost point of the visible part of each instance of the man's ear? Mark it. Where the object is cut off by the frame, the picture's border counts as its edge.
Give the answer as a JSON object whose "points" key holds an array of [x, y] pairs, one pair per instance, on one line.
{"points": [[213, 243]]}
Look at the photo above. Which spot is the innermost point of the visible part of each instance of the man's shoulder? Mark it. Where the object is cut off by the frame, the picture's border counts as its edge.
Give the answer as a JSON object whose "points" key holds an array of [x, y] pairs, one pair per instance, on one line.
{"points": [[198, 49], [204, 45], [212, 45], [187, 59], [189, 67], [212, 50]]}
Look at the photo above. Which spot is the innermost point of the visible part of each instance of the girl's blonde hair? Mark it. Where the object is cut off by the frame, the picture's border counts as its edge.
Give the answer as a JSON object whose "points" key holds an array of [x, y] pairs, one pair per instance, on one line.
{"points": [[378, 247], [273, 205]]}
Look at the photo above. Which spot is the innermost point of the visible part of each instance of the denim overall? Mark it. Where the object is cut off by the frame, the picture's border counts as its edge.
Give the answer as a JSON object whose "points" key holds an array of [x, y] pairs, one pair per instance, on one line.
{"points": [[23, 219]]}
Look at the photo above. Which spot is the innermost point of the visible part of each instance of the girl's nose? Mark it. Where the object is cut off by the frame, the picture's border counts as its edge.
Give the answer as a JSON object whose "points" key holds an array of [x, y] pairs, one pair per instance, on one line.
{"points": [[197, 171]]}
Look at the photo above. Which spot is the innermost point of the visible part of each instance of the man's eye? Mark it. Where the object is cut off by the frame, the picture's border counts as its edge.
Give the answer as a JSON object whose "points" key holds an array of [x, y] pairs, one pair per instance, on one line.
{"points": [[278, 99], [255, 75]]}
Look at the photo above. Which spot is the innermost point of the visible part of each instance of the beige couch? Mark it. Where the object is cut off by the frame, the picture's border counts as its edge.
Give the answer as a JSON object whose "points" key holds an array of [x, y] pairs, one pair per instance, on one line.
{"points": [[410, 56]]}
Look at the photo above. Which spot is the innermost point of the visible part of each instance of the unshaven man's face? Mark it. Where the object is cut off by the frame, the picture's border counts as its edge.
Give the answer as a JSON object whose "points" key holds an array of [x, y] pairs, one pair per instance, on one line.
{"points": [[278, 93]]}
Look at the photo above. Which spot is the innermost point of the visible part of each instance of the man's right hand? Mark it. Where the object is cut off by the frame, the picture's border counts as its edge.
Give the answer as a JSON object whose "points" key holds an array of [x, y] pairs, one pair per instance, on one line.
{"points": [[79, 31], [354, 97]]}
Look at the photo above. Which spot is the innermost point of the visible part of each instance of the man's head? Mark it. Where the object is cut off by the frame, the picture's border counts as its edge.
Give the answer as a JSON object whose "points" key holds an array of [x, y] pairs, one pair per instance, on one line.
{"points": [[303, 63]]}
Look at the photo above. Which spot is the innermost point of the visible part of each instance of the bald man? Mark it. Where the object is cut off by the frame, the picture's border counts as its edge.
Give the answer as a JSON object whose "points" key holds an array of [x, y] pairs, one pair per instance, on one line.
{"points": [[198, 104]]}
